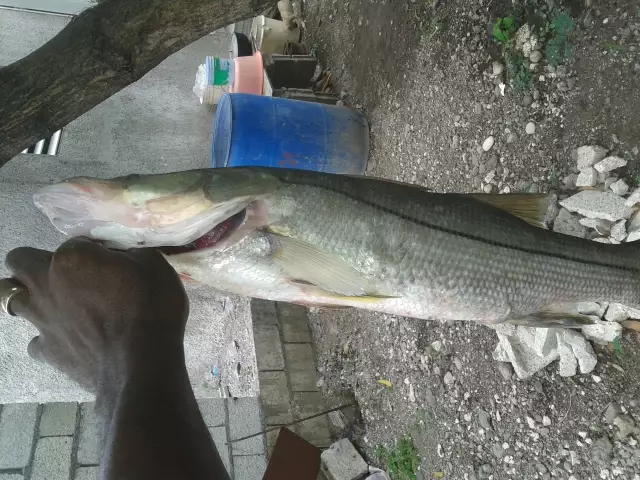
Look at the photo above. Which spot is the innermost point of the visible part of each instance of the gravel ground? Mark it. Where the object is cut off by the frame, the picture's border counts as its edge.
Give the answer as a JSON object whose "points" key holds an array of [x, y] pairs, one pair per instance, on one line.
{"points": [[429, 77]]}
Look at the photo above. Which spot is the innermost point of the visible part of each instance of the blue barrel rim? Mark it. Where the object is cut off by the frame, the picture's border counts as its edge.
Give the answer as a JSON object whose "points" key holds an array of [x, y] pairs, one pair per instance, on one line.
{"points": [[222, 123]]}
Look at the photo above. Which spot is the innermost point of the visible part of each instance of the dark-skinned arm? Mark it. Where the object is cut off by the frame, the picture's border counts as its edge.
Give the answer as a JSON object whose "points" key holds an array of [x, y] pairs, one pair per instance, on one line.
{"points": [[114, 322]]}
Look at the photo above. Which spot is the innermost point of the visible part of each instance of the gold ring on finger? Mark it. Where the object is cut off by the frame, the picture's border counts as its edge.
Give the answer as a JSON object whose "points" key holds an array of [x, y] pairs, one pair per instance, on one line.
{"points": [[9, 288]]}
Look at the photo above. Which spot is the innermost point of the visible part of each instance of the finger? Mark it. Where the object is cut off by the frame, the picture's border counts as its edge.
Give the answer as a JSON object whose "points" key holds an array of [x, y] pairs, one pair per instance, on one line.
{"points": [[73, 254], [29, 266], [81, 244], [20, 306]]}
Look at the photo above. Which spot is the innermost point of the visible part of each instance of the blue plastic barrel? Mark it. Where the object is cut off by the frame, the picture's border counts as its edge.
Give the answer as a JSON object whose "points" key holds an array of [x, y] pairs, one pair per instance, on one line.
{"points": [[254, 130]]}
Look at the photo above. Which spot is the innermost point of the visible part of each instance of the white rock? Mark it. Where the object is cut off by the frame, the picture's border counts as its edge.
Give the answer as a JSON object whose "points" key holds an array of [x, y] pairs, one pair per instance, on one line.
{"points": [[609, 181], [595, 204], [522, 36], [618, 312], [634, 223], [531, 349], [582, 350], [498, 68], [601, 240], [569, 181], [568, 224], [602, 332], [342, 460], [531, 422], [589, 308], [609, 164], [633, 198], [633, 236], [589, 155], [535, 56], [603, 227], [602, 177], [619, 230], [448, 378], [488, 143], [587, 178], [490, 176], [530, 128], [546, 421], [412, 395]]}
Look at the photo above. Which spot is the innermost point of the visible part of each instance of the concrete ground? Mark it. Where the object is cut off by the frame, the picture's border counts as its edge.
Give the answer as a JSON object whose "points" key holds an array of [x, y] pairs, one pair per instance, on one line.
{"points": [[61, 441], [156, 125]]}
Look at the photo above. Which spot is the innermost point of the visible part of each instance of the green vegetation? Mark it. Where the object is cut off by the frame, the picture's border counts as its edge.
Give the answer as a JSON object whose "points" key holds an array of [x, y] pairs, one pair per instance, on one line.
{"points": [[520, 75], [402, 462], [558, 47], [504, 29], [618, 350]]}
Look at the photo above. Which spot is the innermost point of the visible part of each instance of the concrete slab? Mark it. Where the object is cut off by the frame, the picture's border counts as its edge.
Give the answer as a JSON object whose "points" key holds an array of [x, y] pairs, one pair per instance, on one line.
{"points": [[219, 435], [17, 426], [294, 323], [213, 410], [11, 476], [268, 347], [52, 459], [251, 467], [263, 312], [90, 436], [58, 419], [22, 32], [315, 430], [87, 473], [58, 6], [274, 394], [301, 367], [245, 419]]}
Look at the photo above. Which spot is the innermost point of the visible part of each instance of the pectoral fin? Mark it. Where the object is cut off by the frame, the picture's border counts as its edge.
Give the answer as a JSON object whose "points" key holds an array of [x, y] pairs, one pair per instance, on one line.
{"points": [[531, 208], [310, 266]]}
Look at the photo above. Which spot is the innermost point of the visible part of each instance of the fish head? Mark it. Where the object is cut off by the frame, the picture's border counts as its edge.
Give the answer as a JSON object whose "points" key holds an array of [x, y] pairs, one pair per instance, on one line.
{"points": [[167, 210]]}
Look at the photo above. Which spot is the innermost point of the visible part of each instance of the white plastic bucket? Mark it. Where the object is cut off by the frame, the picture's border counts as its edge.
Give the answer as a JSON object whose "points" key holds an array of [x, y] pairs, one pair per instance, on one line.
{"points": [[208, 93], [271, 35], [212, 94]]}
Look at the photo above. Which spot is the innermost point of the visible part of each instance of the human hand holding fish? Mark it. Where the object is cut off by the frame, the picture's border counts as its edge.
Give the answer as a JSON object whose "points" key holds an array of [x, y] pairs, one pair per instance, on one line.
{"points": [[114, 321]]}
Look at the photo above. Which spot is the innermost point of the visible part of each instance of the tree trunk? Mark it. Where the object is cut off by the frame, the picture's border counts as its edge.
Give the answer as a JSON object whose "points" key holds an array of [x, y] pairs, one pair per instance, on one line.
{"points": [[98, 53]]}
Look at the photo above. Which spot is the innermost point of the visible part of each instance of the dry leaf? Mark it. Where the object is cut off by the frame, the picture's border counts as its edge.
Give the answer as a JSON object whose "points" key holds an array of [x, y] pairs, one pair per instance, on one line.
{"points": [[631, 325]]}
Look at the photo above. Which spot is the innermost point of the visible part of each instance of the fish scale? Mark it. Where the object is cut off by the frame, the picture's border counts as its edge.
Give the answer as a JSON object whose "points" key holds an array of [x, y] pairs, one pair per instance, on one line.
{"points": [[369, 243]]}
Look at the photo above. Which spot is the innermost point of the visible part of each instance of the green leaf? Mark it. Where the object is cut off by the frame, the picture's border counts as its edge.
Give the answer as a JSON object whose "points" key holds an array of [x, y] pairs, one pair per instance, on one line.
{"points": [[508, 22], [499, 34]]}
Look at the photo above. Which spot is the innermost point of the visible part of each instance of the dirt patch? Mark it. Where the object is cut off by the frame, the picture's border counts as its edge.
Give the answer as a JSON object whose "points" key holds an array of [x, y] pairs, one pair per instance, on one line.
{"points": [[430, 78]]}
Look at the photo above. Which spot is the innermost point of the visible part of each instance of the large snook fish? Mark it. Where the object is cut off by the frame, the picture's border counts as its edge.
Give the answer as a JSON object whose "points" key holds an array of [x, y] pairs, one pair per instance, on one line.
{"points": [[327, 240]]}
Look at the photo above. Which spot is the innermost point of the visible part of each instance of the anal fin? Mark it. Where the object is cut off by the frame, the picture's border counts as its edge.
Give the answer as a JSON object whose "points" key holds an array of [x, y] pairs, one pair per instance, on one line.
{"points": [[553, 320]]}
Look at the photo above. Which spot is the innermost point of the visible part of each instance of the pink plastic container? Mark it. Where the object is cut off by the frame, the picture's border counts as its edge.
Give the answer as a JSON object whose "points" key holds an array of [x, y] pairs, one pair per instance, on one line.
{"points": [[248, 76]]}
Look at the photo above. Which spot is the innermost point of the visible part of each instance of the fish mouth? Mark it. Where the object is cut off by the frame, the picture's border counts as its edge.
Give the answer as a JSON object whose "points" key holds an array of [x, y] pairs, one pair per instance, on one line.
{"points": [[214, 238]]}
